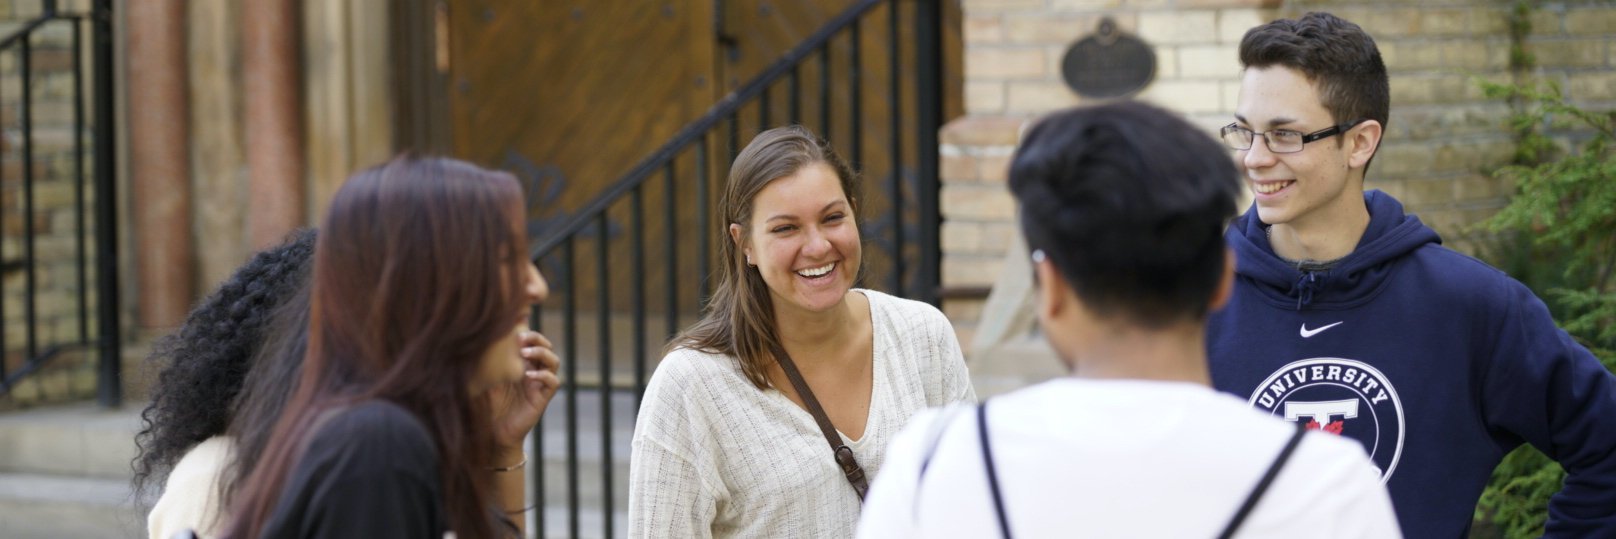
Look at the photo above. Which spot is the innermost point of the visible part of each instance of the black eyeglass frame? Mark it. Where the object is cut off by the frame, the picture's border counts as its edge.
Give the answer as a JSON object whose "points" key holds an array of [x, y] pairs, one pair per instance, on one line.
{"points": [[1310, 137]]}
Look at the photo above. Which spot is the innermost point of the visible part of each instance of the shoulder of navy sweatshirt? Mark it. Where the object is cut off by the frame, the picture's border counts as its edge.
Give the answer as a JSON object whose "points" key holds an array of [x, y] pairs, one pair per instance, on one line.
{"points": [[1439, 364]]}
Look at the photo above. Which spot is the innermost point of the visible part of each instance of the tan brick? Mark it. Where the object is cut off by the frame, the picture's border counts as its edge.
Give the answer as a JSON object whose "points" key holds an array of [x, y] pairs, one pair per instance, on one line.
{"points": [[1467, 54], [1390, 187], [1410, 56], [1470, 156], [1579, 53], [1209, 61], [1443, 22], [1229, 90], [1233, 23], [1045, 28], [958, 168], [1022, 62], [984, 29], [1478, 187], [971, 270], [1427, 192], [1185, 96], [1383, 23], [1424, 90], [1061, 29], [1489, 21], [972, 6], [961, 237], [1475, 119], [982, 131], [1186, 4], [963, 309], [1039, 96], [996, 237], [1085, 4], [1592, 86], [1179, 27], [1166, 63], [53, 195], [1148, 4], [1395, 159], [984, 96], [971, 202], [1448, 223], [1591, 21], [995, 168], [1544, 21]]}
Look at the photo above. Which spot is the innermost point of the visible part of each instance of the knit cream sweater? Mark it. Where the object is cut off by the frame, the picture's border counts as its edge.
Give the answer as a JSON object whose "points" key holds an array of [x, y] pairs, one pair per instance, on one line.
{"points": [[715, 457]]}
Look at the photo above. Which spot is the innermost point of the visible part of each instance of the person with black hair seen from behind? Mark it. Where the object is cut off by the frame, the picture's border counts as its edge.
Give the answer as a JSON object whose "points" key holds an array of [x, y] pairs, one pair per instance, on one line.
{"points": [[1349, 316], [1123, 206]]}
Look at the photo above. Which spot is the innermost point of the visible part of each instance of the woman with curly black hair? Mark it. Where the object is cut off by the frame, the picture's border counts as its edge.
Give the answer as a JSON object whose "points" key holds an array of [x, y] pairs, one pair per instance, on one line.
{"points": [[204, 365]]}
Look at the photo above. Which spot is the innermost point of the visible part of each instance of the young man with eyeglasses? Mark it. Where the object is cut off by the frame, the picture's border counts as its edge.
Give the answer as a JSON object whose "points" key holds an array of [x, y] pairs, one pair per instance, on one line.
{"points": [[1350, 317]]}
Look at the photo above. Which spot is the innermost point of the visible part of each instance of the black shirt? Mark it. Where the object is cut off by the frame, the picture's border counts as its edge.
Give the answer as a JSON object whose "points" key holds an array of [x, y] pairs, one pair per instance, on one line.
{"points": [[370, 471]]}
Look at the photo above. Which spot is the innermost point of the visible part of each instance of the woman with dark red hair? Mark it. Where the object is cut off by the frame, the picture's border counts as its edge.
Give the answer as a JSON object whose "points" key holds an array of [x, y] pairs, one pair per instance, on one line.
{"points": [[409, 417]]}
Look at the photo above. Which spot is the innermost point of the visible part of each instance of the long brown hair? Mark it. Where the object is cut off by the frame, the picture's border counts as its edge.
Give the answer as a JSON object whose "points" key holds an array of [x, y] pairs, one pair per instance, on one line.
{"points": [[416, 274], [739, 318]]}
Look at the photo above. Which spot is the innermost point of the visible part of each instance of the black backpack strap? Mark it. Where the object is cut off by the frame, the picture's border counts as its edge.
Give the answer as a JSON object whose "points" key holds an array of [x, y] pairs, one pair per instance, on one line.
{"points": [[993, 474], [1262, 486]]}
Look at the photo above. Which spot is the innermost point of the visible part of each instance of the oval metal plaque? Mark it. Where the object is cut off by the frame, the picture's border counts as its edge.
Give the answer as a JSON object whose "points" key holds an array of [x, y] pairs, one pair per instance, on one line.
{"points": [[1108, 64]]}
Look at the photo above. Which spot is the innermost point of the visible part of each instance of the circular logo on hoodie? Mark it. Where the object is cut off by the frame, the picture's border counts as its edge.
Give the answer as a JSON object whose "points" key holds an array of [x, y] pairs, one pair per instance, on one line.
{"points": [[1342, 397]]}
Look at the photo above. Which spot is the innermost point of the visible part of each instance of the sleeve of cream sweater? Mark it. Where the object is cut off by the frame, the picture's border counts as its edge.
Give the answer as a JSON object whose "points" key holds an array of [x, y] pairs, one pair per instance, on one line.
{"points": [[668, 493], [954, 379]]}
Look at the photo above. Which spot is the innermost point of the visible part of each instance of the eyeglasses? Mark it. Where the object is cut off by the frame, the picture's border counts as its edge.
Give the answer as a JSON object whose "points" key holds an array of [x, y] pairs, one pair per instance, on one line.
{"points": [[1281, 140]]}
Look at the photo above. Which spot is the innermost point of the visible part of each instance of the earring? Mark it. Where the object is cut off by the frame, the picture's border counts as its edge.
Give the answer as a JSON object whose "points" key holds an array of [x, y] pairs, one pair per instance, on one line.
{"points": [[1038, 256], [749, 261]]}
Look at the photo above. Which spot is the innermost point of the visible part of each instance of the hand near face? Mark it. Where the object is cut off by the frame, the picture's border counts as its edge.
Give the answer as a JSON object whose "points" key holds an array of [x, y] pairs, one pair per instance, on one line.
{"points": [[517, 406]]}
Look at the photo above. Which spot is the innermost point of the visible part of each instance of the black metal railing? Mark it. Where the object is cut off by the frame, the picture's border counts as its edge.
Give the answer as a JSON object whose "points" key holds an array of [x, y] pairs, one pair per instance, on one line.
{"points": [[91, 118], [899, 162]]}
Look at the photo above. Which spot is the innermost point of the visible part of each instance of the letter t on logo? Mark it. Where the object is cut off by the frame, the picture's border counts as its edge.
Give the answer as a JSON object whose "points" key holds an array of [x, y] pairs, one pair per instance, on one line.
{"points": [[1321, 411]]}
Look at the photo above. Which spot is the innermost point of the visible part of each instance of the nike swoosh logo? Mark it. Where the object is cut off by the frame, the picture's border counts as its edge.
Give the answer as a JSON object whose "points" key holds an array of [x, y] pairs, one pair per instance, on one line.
{"points": [[1309, 333]]}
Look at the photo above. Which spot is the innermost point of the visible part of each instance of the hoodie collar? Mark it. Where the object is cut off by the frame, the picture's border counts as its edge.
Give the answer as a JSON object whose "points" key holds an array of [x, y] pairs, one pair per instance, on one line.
{"points": [[1390, 235]]}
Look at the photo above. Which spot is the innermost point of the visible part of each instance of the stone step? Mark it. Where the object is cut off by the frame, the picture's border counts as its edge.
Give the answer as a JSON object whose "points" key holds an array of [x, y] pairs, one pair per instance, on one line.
{"points": [[75, 440], [39, 506]]}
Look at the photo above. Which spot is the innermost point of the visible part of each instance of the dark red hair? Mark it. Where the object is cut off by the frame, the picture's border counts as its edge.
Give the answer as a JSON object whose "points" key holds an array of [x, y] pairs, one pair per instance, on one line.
{"points": [[416, 274]]}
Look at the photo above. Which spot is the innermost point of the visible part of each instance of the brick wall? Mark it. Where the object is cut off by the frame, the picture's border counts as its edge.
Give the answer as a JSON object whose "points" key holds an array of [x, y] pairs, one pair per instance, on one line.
{"points": [[56, 290], [1442, 141]]}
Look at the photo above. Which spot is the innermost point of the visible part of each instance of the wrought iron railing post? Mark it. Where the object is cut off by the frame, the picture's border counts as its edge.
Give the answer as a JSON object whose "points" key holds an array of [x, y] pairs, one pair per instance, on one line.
{"points": [[928, 122], [109, 391]]}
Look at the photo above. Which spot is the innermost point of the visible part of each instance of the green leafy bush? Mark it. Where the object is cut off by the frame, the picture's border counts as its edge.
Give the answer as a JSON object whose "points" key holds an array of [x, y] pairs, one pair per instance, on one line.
{"points": [[1558, 236]]}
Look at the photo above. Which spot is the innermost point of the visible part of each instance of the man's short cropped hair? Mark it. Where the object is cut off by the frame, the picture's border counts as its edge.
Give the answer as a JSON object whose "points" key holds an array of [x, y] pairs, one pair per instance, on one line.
{"points": [[1337, 56], [1129, 202]]}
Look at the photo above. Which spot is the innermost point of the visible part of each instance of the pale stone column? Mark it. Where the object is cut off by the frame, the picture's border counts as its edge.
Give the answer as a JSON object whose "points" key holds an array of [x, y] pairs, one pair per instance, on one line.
{"points": [[159, 157], [275, 158]]}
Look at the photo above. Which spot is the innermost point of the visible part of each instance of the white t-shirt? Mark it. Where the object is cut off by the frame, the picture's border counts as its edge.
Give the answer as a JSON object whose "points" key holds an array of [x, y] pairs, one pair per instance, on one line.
{"points": [[715, 457], [1122, 458]]}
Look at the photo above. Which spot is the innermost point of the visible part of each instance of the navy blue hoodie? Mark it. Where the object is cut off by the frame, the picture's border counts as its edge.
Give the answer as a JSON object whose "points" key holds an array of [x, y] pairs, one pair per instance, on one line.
{"points": [[1437, 362]]}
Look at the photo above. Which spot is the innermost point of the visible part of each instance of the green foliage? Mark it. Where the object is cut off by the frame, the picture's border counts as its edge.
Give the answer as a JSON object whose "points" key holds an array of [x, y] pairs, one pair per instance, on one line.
{"points": [[1558, 236]]}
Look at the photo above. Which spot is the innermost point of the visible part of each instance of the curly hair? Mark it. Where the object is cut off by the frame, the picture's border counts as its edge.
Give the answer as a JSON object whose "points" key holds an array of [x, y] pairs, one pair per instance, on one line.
{"points": [[205, 362]]}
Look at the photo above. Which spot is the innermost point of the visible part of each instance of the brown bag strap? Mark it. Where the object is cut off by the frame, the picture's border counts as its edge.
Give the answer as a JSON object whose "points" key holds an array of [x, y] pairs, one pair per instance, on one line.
{"points": [[840, 451]]}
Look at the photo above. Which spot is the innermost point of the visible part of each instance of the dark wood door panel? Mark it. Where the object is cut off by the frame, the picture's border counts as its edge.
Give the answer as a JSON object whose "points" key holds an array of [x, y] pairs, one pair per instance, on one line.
{"points": [[584, 88]]}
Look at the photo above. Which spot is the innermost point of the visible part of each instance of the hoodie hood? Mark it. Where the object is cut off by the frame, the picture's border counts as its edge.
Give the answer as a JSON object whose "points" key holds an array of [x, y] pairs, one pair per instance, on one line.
{"points": [[1356, 279]]}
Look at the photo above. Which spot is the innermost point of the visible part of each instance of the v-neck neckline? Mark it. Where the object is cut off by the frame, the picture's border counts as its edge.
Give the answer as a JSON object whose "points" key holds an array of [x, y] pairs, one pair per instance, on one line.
{"points": [[877, 381]]}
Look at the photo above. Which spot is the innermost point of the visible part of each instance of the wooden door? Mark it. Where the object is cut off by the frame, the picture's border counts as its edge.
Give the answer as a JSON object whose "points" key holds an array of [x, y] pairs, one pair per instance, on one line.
{"points": [[570, 93]]}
